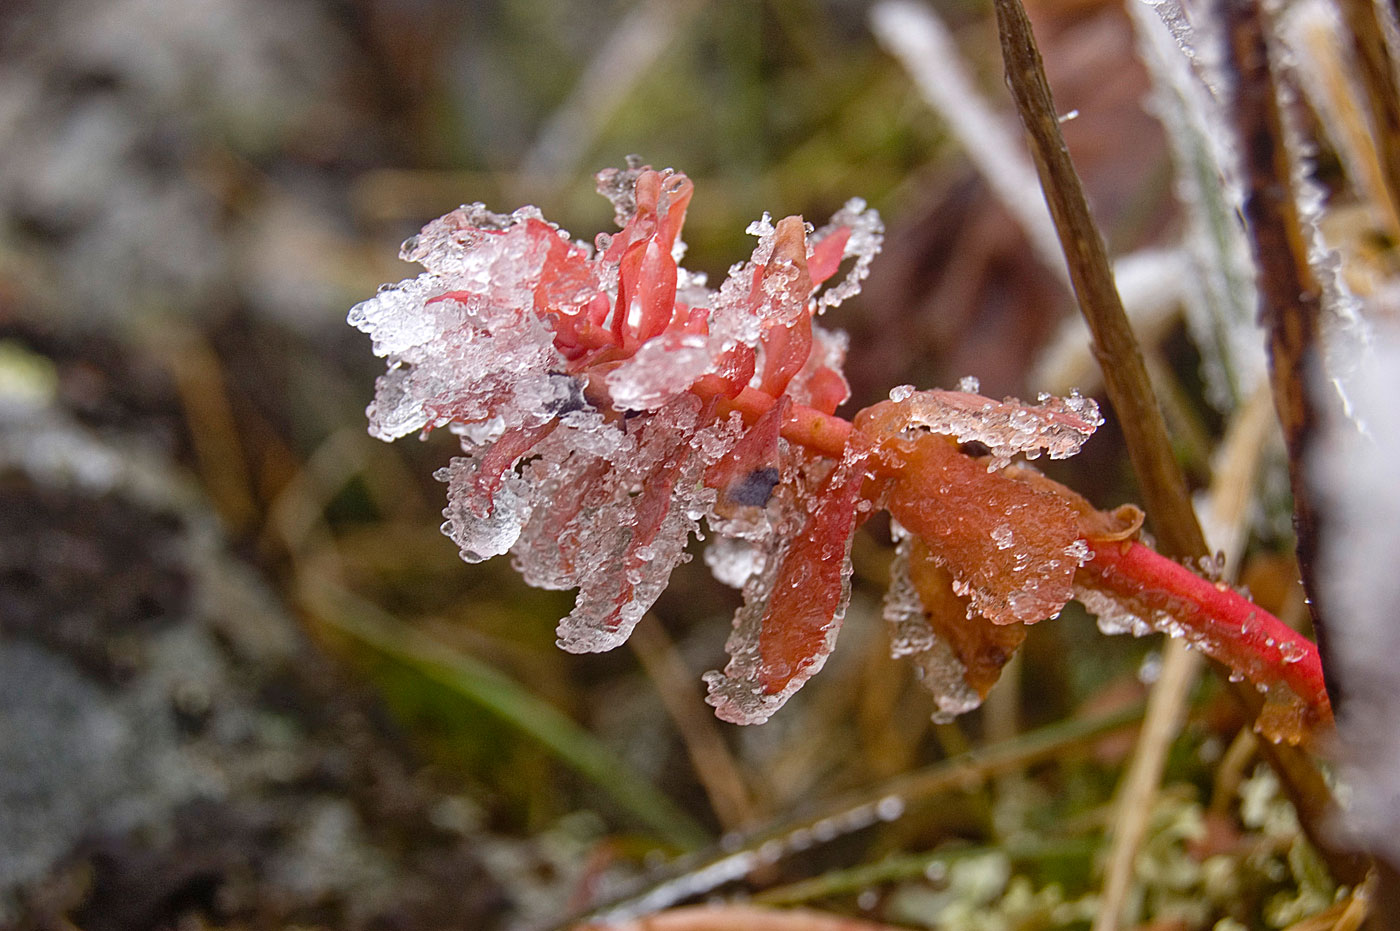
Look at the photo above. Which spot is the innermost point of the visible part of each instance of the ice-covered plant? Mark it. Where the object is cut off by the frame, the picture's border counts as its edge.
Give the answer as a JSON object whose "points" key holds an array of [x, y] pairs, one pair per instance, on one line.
{"points": [[608, 401]]}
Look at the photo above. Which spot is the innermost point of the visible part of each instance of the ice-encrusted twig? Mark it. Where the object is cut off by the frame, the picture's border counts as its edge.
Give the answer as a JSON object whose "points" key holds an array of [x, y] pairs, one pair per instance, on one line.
{"points": [[697, 875], [1290, 295]]}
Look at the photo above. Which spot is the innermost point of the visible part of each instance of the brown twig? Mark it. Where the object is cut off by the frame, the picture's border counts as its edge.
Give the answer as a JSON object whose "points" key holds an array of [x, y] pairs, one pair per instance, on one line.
{"points": [[1290, 298], [1163, 485]]}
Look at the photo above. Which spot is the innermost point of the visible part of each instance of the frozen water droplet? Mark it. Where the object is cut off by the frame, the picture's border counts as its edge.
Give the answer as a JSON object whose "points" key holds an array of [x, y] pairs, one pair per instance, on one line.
{"points": [[901, 393], [1151, 668], [1003, 536], [970, 384], [889, 808]]}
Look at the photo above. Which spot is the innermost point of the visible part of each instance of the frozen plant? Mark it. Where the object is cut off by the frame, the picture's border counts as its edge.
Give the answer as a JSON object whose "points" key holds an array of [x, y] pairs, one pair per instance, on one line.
{"points": [[607, 401]]}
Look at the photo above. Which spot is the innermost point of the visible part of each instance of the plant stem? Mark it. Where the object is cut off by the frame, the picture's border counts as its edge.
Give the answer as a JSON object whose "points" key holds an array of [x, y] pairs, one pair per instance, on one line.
{"points": [[821, 433], [1164, 488], [1228, 626]]}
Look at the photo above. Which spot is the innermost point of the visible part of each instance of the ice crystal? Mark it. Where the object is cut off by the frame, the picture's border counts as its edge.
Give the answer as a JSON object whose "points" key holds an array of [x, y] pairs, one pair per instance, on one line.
{"points": [[1057, 426], [936, 666]]}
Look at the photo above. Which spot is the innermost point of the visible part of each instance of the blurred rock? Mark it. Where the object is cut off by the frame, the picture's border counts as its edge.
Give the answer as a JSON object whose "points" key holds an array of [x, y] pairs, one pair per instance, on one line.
{"points": [[171, 745]]}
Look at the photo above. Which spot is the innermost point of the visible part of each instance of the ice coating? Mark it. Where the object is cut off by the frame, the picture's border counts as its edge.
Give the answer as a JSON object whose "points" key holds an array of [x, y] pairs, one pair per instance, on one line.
{"points": [[864, 240], [911, 635], [794, 608], [966, 515], [1056, 426], [462, 339], [1132, 590], [586, 384]]}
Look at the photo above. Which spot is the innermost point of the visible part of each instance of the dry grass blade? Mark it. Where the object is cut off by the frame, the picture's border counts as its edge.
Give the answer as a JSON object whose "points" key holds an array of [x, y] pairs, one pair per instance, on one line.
{"points": [[714, 765], [1378, 84], [1164, 487]]}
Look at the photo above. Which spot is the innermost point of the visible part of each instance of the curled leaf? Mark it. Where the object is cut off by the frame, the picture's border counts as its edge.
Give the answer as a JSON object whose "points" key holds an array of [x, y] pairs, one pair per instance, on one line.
{"points": [[958, 654], [1011, 548]]}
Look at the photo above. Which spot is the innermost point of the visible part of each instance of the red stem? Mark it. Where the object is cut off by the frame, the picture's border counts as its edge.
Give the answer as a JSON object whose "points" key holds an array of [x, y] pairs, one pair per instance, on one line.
{"points": [[1225, 624], [805, 426]]}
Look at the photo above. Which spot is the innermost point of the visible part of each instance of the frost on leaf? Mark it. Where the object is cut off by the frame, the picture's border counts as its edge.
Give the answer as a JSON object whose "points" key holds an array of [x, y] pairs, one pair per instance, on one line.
{"points": [[1011, 548], [632, 521], [463, 340], [794, 608], [957, 655], [1057, 426]]}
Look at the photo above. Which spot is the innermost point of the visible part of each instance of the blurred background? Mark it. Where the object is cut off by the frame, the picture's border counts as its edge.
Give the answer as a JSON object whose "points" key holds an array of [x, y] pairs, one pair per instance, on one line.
{"points": [[244, 680]]}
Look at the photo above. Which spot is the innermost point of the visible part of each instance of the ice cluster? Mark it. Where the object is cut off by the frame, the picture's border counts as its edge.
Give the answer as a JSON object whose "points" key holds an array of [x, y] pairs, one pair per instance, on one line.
{"points": [[937, 666], [1055, 426], [593, 390]]}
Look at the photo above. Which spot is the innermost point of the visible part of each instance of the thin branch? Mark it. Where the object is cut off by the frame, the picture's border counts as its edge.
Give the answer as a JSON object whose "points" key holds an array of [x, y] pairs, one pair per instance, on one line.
{"points": [[1164, 488]]}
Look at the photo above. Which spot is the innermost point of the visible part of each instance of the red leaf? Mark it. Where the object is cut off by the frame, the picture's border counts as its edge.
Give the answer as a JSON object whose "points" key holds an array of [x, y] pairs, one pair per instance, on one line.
{"points": [[827, 255], [808, 600], [1008, 543]]}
